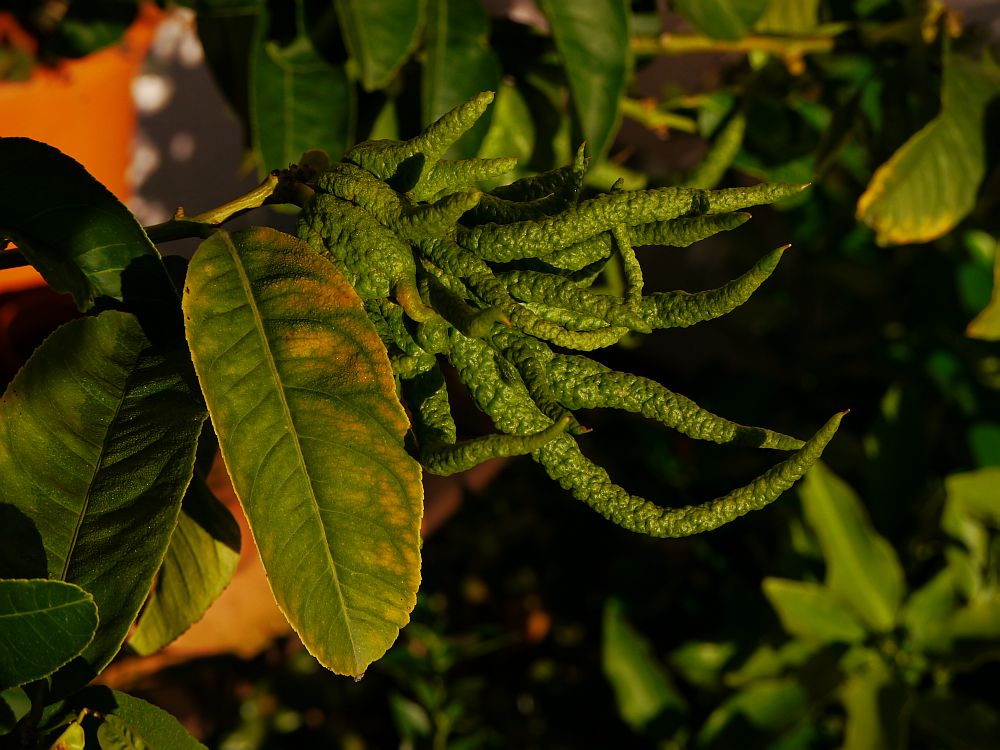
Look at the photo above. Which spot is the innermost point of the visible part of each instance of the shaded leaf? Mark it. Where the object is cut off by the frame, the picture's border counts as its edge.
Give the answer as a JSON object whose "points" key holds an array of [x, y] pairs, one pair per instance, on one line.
{"points": [[986, 325], [134, 724], [593, 40], [229, 32], [302, 397], [643, 689], [766, 662], [721, 19], [380, 35], [458, 64], [74, 231], [931, 182], [789, 17], [97, 439], [874, 704], [970, 512], [770, 704], [200, 561], [88, 27], [512, 130], [44, 625], [811, 612], [701, 662], [862, 569], [959, 721], [298, 102], [927, 611], [14, 705]]}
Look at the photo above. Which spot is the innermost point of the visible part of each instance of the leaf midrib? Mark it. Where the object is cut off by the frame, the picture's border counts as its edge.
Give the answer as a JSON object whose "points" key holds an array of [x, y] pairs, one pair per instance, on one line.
{"points": [[81, 516], [286, 410]]}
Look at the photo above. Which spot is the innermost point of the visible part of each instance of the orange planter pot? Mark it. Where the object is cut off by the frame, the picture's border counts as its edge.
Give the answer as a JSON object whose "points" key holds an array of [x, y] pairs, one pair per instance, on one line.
{"points": [[84, 108]]}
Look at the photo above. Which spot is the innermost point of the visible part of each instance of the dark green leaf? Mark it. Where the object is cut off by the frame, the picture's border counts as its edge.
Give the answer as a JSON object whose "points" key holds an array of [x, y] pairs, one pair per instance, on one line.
{"points": [[593, 39], [862, 569], [958, 721], [811, 612], [643, 689], [73, 230], [380, 35], [200, 561], [722, 19], [302, 396], [458, 64], [298, 102], [228, 32], [43, 624], [14, 705], [97, 439], [89, 27], [135, 722]]}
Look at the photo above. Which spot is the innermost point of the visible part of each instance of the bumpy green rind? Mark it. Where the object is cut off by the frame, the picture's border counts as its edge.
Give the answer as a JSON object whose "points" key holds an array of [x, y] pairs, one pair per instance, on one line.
{"points": [[492, 280], [590, 483]]}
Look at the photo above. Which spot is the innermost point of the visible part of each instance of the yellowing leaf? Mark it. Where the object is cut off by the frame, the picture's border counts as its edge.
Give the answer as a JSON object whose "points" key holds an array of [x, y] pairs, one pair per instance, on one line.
{"points": [[301, 393], [930, 183]]}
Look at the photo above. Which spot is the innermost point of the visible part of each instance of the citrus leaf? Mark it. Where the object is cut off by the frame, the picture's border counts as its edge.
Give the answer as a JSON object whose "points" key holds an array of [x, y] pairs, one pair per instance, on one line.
{"points": [[132, 723], [873, 701], [769, 704], [43, 624], [298, 102], [72, 738], [986, 325], [593, 39], [810, 612], [97, 439], [458, 64], [302, 397], [380, 35], [722, 19], [927, 611], [862, 569], [789, 17], [74, 231], [512, 131], [930, 183], [642, 687], [970, 516], [200, 561]]}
